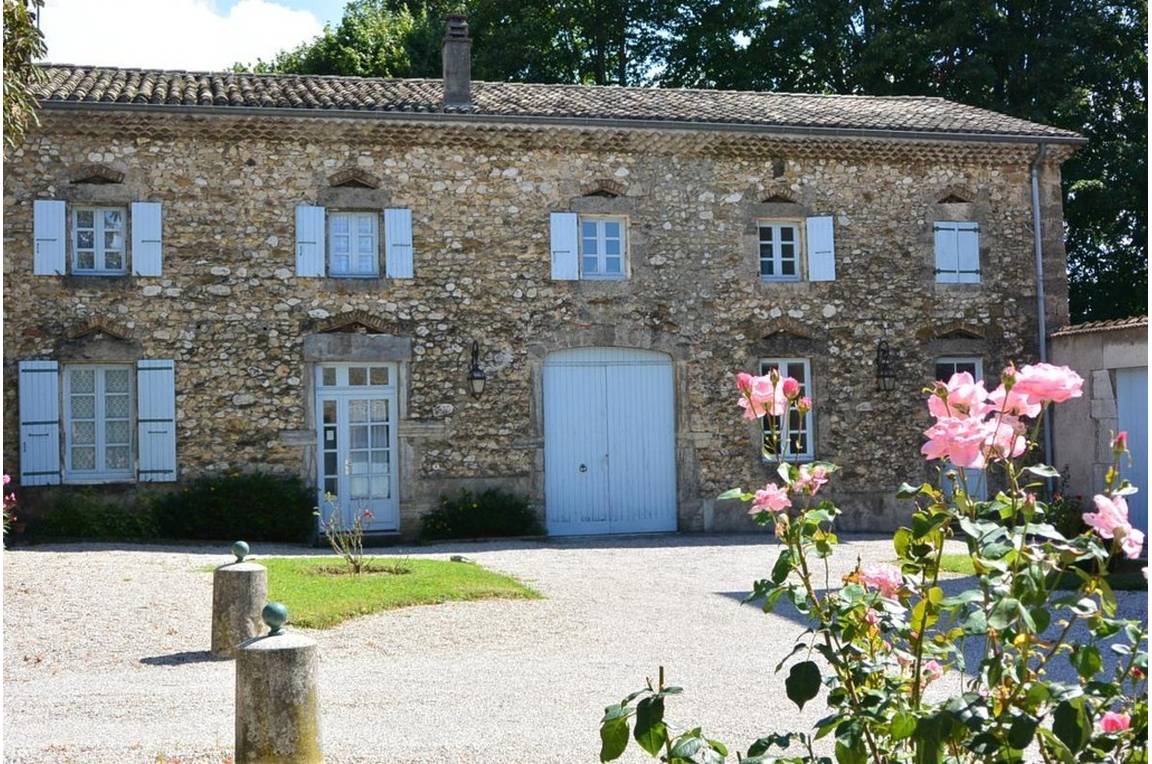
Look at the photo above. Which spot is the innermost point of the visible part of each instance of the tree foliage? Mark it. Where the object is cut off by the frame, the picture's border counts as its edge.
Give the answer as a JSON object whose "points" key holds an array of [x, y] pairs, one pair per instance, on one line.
{"points": [[1076, 64], [23, 43]]}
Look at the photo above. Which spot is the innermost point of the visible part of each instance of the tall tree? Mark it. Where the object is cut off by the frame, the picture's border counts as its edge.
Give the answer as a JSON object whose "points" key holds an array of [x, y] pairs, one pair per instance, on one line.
{"points": [[23, 44], [1077, 64]]}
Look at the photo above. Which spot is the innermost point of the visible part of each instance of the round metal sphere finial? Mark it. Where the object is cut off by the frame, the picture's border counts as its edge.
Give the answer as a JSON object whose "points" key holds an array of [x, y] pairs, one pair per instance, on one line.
{"points": [[240, 549], [274, 615]]}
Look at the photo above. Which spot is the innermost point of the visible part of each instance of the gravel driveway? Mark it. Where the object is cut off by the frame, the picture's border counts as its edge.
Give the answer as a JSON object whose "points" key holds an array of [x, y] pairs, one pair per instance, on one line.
{"points": [[104, 653]]}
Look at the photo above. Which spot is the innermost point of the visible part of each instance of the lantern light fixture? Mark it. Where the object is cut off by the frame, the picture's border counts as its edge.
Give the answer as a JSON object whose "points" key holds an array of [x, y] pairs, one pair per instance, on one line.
{"points": [[885, 375], [476, 376]]}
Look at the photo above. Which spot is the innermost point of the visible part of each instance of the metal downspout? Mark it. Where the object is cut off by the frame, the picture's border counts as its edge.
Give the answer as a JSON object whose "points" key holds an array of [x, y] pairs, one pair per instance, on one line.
{"points": [[1041, 316]]}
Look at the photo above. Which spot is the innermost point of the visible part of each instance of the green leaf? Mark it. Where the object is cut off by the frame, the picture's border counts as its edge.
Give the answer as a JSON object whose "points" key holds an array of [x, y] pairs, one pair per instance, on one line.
{"points": [[732, 493], [1021, 732], [1043, 470], [1086, 660], [613, 738], [1070, 724], [903, 725], [853, 753], [650, 732], [1003, 613], [782, 567], [803, 683]]}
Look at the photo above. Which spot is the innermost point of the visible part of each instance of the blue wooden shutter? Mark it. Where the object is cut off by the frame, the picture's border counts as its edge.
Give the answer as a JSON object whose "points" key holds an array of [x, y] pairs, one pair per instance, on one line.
{"points": [[309, 241], [156, 420], [147, 234], [968, 253], [565, 246], [398, 243], [821, 249], [49, 239], [947, 255], [39, 423]]}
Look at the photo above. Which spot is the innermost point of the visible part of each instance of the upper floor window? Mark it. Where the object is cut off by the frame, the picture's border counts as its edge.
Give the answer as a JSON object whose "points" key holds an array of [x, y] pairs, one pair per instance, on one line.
{"points": [[98, 423], [957, 252], [98, 240], [602, 247], [779, 251], [353, 244], [789, 436]]}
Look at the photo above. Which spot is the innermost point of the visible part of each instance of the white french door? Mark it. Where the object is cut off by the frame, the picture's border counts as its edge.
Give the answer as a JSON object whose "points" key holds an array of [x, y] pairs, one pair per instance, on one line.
{"points": [[356, 449]]}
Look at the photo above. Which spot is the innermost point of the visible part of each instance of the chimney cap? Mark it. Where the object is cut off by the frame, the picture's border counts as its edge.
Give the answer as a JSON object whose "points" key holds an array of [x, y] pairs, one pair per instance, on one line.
{"points": [[456, 26]]}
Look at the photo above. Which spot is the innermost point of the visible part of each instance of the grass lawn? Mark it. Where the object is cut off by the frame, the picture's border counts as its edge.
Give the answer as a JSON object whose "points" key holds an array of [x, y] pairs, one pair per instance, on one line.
{"points": [[319, 600], [1126, 581]]}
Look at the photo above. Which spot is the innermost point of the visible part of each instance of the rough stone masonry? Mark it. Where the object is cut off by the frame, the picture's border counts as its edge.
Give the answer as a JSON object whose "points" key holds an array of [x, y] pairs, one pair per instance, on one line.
{"points": [[232, 313]]}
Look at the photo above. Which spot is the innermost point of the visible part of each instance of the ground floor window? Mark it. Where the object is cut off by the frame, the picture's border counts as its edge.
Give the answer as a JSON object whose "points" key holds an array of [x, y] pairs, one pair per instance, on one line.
{"points": [[975, 480], [791, 436], [98, 422]]}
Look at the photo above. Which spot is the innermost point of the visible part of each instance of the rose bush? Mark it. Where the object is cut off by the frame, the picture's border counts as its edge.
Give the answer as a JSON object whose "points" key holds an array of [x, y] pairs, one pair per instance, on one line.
{"points": [[887, 632]]}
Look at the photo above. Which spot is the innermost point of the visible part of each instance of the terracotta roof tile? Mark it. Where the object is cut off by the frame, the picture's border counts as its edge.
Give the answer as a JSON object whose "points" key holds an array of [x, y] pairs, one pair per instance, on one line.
{"points": [[88, 84], [1133, 322]]}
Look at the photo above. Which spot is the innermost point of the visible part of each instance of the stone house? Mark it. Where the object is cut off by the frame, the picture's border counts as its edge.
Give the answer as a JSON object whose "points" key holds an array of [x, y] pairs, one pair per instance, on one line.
{"points": [[1112, 357], [309, 275]]}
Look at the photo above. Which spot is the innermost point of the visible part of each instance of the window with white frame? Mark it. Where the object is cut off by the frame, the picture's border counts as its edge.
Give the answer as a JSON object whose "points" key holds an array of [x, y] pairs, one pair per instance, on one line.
{"points": [[779, 251], [98, 422], [98, 240], [791, 436], [353, 244], [602, 247], [975, 480], [957, 252]]}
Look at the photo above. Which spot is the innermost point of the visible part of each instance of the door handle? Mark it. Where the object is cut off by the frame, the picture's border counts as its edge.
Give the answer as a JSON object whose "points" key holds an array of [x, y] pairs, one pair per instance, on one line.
{"points": [[583, 467]]}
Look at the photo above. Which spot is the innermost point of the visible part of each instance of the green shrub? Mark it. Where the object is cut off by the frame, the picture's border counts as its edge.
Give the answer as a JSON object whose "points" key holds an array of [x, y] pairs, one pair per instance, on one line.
{"points": [[84, 514], [249, 506], [492, 512]]}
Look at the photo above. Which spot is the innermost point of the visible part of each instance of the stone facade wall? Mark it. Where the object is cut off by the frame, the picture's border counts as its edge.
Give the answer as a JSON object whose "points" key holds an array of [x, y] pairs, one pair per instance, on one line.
{"points": [[233, 315]]}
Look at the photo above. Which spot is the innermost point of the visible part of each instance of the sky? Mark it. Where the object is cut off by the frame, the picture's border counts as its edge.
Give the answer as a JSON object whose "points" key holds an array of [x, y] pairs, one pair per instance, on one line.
{"points": [[179, 34]]}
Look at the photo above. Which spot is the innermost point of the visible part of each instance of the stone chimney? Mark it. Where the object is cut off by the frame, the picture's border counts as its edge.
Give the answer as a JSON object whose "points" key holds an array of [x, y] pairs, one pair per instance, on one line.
{"points": [[456, 54]]}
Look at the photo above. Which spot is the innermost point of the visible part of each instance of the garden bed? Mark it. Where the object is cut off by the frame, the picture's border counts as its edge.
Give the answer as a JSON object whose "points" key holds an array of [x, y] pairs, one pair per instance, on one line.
{"points": [[319, 593]]}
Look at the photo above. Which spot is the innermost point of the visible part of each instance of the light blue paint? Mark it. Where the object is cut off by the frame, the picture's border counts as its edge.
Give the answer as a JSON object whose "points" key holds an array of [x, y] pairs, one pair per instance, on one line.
{"points": [[609, 442], [1132, 416]]}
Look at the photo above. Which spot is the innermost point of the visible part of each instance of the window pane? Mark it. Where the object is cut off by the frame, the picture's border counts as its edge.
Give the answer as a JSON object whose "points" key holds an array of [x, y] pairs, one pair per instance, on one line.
{"points": [[340, 264], [84, 458], [612, 265], [358, 436], [330, 467], [767, 267], [83, 406], [84, 219], [591, 265], [116, 458], [85, 260], [378, 375], [590, 247], [340, 245], [116, 432], [379, 410], [113, 261], [340, 224], [83, 380], [364, 245], [358, 487], [967, 366], [379, 435], [380, 486], [612, 246], [116, 380], [765, 235], [358, 461], [365, 224], [612, 229], [85, 239], [116, 406], [113, 240], [330, 486], [380, 459], [358, 375], [588, 230], [358, 411], [788, 268], [328, 378], [796, 371], [113, 218], [787, 233], [84, 432], [365, 264]]}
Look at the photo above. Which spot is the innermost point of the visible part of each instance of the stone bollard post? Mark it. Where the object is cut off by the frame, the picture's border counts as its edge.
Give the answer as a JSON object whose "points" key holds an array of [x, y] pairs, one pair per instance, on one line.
{"points": [[277, 713], [239, 590]]}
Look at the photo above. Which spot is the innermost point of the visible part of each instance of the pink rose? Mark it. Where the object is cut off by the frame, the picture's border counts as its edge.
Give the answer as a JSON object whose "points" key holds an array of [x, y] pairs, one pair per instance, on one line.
{"points": [[760, 396], [1110, 520], [960, 441], [770, 498], [959, 396], [1043, 382], [744, 382], [1006, 438], [1114, 722], [1132, 542], [932, 671], [790, 387], [804, 405], [1013, 402], [883, 578], [871, 618], [1119, 444], [811, 478]]}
